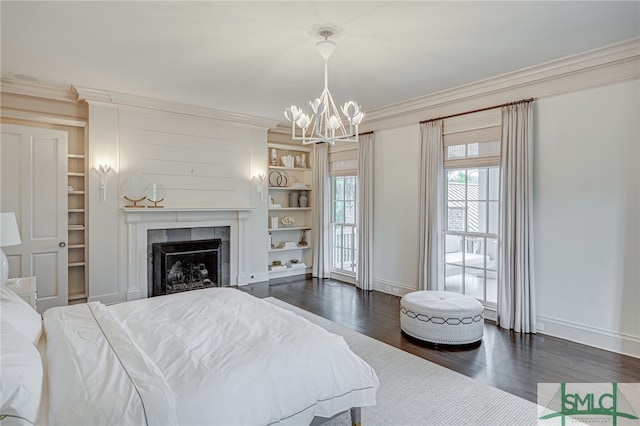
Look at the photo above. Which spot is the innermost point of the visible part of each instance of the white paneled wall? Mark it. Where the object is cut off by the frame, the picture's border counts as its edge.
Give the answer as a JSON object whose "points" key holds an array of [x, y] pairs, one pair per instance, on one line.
{"points": [[201, 163], [204, 163]]}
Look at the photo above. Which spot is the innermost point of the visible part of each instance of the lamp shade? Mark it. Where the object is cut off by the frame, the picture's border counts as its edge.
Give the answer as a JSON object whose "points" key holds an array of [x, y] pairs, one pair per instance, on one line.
{"points": [[9, 234]]}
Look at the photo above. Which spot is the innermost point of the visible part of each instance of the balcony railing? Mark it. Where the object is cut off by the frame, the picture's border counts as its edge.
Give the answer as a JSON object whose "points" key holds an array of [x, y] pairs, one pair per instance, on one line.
{"points": [[344, 247]]}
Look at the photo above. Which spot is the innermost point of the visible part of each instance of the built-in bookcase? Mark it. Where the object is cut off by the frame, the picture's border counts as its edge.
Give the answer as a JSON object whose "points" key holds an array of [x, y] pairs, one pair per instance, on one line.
{"points": [[287, 182], [77, 203]]}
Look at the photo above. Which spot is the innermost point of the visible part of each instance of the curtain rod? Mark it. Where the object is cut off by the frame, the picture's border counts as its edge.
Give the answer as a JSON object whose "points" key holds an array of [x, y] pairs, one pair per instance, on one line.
{"points": [[478, 110], [370, 132]]}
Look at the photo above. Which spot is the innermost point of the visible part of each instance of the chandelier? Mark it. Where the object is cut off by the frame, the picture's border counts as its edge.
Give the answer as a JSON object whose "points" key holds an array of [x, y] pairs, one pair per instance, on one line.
{"points": [[324, 123]]}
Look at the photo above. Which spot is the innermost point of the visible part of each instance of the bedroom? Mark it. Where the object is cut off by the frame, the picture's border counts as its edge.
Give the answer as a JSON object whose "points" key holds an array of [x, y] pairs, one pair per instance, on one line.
{"points": [[586, 199]]}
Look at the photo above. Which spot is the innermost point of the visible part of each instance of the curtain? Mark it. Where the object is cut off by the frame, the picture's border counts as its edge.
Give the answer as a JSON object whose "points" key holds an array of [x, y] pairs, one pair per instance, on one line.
{"points": [[430, 263], [516, 295], [364, 272], [321, 208]]}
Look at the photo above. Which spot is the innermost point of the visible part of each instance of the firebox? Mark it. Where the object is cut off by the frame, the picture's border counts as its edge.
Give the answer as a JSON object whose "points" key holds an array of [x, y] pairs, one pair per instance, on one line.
{"points": [[186, 265]]}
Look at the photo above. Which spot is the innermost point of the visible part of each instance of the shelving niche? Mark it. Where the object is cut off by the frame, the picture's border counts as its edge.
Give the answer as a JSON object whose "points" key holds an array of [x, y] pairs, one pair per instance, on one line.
{"points": [[77, 216], [286, 183]]}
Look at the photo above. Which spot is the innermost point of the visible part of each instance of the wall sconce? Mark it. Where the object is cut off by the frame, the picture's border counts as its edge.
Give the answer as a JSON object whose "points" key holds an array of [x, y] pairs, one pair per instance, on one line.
{"points": [[259, 179], [104, 169]]}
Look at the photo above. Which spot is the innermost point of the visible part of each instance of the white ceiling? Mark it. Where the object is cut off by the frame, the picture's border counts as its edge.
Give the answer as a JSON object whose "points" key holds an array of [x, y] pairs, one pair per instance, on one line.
{"points": [[259, 57]]}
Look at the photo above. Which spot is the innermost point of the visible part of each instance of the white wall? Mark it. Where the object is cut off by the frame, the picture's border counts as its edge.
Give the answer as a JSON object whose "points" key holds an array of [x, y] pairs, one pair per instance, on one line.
{"points": [[587, 215], [395, 221], [587, 210], [203, 163]]}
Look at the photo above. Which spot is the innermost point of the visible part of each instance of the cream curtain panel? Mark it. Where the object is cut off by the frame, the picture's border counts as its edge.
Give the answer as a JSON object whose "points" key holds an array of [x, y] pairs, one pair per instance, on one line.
{"points": [[364, 272], [321, 207], [431, 262], [516, 290]]}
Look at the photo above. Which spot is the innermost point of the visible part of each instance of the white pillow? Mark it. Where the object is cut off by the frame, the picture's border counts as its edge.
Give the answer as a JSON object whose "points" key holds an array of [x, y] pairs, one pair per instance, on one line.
{"points": [[21, 384], [20, 314]]}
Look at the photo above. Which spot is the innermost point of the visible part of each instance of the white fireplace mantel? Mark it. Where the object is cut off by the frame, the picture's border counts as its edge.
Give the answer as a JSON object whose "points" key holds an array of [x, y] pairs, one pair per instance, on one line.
{"points": [[141, 220]]}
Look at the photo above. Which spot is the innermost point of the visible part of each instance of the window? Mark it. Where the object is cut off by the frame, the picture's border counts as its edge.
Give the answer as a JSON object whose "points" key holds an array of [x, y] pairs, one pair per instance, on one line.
{"points": [[344, 237], [471, 234], [472, 211]]}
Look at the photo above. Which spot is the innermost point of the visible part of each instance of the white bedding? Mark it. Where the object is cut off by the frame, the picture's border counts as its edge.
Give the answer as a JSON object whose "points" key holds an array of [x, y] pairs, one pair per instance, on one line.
{"points": [[214, 356]]}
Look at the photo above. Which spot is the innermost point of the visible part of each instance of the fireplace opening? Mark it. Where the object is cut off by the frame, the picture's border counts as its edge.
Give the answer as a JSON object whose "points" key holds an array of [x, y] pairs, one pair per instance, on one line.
{"points": [[186, 265]]}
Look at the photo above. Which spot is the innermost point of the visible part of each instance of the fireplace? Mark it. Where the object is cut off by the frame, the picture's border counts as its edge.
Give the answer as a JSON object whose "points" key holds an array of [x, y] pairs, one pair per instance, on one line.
{"points": [[186, 265], [182, 259], [148, 226]]}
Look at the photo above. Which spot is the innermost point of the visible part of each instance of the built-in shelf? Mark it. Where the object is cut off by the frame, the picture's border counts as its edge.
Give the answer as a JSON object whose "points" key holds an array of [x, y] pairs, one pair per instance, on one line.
{"points": [[292, 228], [288, 272], [290, 249], [283, 203], [289, 168], [288, 188], [76, 296], [77, 207]]}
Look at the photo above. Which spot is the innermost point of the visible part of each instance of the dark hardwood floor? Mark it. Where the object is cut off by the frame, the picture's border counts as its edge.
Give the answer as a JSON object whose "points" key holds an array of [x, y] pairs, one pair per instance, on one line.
{"points": [[513, 362]]}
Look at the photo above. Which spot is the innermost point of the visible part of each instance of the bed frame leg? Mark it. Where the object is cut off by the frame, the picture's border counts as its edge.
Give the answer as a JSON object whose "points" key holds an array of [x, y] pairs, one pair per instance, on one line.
{"points": [[356, 419]]}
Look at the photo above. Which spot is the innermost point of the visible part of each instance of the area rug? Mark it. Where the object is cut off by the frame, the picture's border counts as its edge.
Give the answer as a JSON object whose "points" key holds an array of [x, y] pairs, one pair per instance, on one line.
{"points": [[414, 391]]}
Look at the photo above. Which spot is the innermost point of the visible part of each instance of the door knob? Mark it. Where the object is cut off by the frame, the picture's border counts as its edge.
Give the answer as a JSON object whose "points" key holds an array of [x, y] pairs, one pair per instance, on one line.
{"points": [[62, 244]]}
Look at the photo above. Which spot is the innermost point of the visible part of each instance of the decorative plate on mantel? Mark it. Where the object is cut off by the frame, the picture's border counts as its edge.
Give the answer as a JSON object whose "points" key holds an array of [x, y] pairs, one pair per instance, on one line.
{"points": [[133, 189], [155, 193]]}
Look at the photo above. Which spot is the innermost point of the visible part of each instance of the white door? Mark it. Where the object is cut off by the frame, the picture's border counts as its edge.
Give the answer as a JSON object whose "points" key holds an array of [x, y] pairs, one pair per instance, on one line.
{"points": [[33, 183]]}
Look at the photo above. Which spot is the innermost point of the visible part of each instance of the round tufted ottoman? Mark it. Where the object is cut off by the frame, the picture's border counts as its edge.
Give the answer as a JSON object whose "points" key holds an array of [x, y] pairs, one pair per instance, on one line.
{"points": [[442, 317]]}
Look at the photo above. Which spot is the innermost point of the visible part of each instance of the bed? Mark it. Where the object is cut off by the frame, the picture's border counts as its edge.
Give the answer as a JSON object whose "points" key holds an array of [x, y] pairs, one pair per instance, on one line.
{"points": [[212, 356]]}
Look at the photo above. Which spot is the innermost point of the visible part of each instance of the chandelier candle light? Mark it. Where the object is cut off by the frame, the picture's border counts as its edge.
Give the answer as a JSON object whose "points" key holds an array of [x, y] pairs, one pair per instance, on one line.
{"points": [[324, 123]]}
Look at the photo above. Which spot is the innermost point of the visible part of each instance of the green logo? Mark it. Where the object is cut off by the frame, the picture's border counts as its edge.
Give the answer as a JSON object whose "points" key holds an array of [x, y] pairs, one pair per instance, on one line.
{"points": [[591, 403]]}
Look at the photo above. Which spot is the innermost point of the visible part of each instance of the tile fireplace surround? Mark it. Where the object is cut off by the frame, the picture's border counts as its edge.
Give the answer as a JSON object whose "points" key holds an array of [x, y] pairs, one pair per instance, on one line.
{"points": [[140, 221]]}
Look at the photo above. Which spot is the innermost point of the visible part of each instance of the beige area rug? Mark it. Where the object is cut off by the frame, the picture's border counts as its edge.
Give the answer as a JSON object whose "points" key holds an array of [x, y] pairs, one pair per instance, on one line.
{"points": [[414, 391]]}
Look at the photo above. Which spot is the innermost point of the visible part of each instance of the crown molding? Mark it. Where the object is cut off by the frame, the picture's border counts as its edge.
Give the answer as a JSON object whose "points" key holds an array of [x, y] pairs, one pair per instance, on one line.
{"points": [[38, 90], [599, 67], [116, 99], [609, 65]]}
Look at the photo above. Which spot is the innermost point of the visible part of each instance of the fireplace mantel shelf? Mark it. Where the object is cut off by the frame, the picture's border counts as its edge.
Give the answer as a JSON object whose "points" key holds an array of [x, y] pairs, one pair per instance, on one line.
{"points": [[182, 214], [184, 209]]}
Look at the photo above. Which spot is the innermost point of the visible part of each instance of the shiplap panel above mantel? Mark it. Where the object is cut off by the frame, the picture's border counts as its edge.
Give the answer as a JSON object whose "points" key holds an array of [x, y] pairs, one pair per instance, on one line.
{"points": [[201, 163]]}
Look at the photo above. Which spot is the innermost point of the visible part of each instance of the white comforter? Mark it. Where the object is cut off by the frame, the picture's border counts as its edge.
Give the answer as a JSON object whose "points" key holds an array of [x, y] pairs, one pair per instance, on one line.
{"points": [[214, 356]]}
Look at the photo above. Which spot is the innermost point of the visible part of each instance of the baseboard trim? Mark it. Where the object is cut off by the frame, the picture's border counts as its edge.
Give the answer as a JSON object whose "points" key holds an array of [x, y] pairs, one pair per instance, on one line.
{"points": [[350, 279], [621, 343], [392, 287], [244, 279]]}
